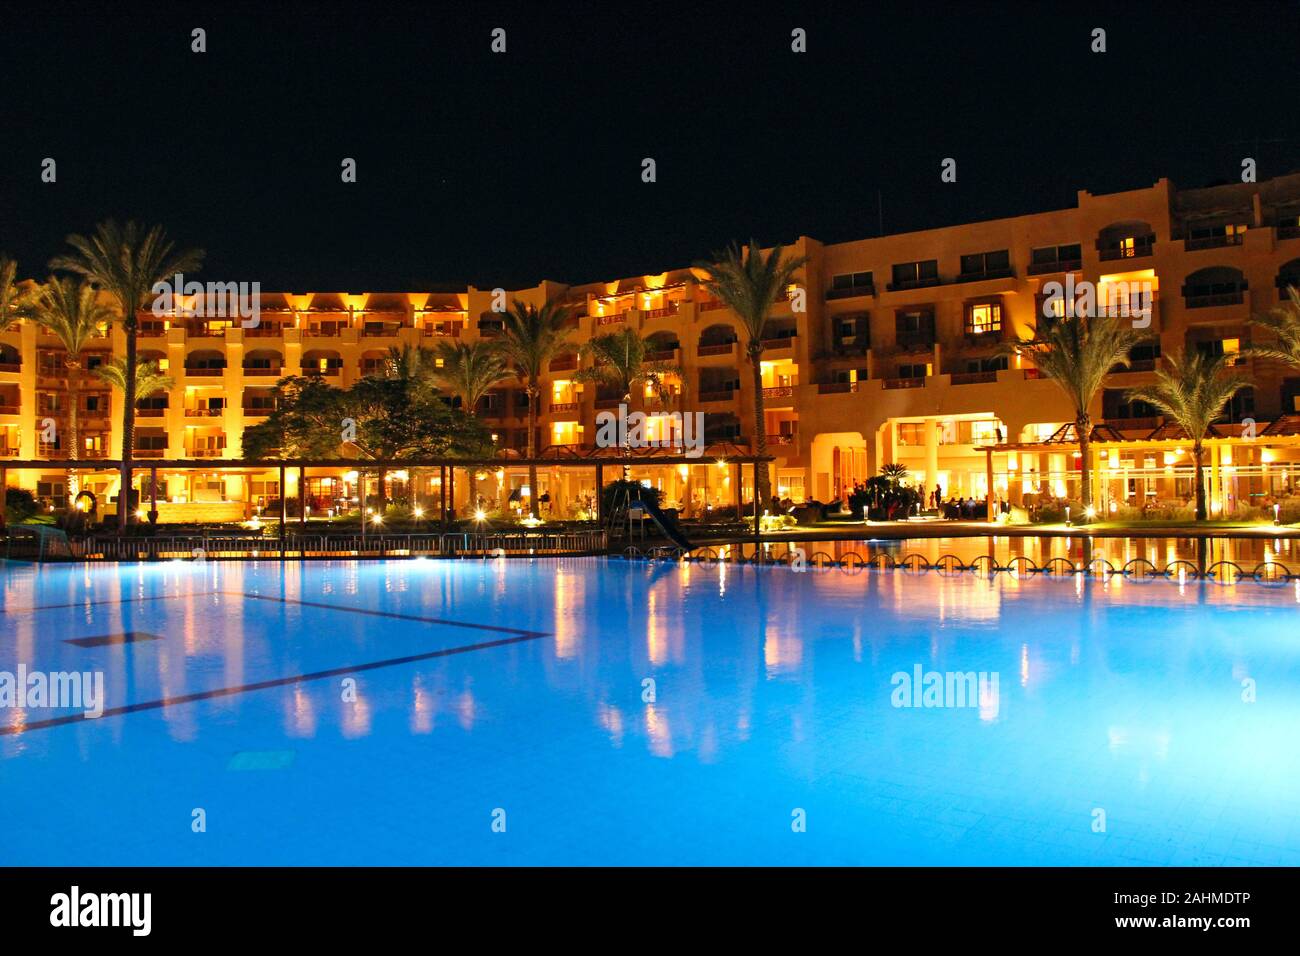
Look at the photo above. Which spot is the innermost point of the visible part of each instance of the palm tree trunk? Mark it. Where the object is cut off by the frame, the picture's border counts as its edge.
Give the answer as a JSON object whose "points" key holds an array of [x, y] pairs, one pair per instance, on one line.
{"points": [[1198, 455], [72, 430], [1083, 428], [126, 513], [381, 504], [532, 451], [762, 487]]}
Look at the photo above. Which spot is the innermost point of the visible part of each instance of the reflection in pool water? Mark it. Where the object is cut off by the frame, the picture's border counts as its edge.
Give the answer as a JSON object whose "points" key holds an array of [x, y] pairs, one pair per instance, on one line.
{"points": [[626, 712]]}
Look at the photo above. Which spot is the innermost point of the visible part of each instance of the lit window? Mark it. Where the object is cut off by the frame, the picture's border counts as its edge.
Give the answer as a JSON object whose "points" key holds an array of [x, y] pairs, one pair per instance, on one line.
{"points": [[984, 318]]}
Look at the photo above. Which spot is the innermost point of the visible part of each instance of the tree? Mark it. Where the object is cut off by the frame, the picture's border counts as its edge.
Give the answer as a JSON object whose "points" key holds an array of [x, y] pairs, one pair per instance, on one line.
{"points": [[127, 262], [1283, 321], [149, 378], [1077, 353], [382, 418], [531, 338], [620, 361], [15, 298], [750, 284], [1193, 391], [72, 313], [469, 371]]}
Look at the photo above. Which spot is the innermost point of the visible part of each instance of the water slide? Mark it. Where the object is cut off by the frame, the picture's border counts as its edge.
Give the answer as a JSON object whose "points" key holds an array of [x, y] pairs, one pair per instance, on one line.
{"points": [[667, 525]]}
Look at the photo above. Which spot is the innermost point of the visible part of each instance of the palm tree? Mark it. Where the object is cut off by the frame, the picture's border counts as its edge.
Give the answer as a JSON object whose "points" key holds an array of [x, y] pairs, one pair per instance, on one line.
{"points": [[1283, 321], [1077, 353], [469, 371], [72, 313], [620, 361], [531, 337], [750, 285], [1193, 391], [15, 300], [149, 378], [127, 262]]}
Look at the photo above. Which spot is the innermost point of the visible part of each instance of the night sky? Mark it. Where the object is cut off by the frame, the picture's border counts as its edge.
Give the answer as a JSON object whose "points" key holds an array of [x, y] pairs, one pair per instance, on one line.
{"points": [[490, 169]]}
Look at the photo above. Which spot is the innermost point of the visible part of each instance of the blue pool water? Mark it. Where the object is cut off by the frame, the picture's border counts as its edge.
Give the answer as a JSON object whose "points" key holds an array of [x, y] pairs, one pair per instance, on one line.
{"points": [[513, 691]]}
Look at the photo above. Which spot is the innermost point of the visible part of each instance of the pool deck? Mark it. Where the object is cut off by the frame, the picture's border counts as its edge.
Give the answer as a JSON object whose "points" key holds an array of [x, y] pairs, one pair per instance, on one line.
{"points": [[900, 530]]}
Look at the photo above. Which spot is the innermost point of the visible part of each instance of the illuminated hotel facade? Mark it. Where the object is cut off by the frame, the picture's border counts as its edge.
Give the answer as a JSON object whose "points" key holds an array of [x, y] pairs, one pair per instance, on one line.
{"points": [[898, 357]]}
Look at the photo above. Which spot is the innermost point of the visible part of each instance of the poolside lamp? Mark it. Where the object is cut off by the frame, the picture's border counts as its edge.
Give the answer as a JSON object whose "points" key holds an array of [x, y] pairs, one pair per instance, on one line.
{"points": [[1277, 514], [418, 512], [1068, 522]]}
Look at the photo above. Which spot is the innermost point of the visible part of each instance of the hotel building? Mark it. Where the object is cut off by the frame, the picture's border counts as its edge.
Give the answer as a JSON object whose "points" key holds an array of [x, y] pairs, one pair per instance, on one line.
{"points": [[897, 357]]}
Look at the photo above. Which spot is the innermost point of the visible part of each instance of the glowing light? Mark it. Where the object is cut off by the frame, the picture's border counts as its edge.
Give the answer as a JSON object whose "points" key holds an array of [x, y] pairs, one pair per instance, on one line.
{"points": [[377, 519], [417, 511], [1090, 511], [480, 514]]}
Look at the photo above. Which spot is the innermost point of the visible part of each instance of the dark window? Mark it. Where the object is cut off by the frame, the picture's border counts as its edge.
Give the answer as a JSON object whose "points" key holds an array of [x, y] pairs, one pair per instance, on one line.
{"points": [[852, 280], [910, 274], [990, 264]]}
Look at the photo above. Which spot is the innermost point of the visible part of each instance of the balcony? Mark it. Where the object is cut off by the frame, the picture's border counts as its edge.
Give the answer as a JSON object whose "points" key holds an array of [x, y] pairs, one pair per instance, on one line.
{"points": [[779, 344], [566, 364], [987, 274], [205, 371], [707, 398], [7, 452], [269, 330], [563, 408], [206, 452], [921, 283], [915, 341], [1139, 250], [262, 371], [851, 292], [615, 319], [150, 453], [837, 388], [661, 355], [204, 412], [9, 409], [321, 332], [1214, 299], [782, 439], [150, 412], [1212, 242], [1289, 232], [722, 348], [709, 305], [257, 411], [670, 309], [904, 383], [1050, 268], [378, 330], [779, 394], [973, 378], [11, 366], [331, 372]]}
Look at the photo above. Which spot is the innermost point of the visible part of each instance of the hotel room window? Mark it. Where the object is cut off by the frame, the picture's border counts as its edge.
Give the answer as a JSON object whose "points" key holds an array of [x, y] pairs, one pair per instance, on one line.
{"points": [[984, 318]]}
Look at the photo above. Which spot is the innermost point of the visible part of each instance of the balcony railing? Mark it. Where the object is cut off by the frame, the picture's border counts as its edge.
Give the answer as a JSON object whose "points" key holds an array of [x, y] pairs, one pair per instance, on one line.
{"points": [[718, 396], [974, 378], [783, 342], [1212, 242], [836, 388], [331, 372], [11, 366], [922, 283], [257, 370], [1216, 299], [204, 412], [851, 292], [780, 439], [1139, 250], [614, 319], [661, 355], [564, 364], [264, 331], [381, 331], [904, 382], [722, 348], [8, 409], [563, 407], [317, 332], [206, 371], [1288, 232], [10, 452], [915, 341], [671, 308], [987, 274], [778, 392], [1059, 265], [151, 453], [150, 413], [710, 305], [206, 452]]}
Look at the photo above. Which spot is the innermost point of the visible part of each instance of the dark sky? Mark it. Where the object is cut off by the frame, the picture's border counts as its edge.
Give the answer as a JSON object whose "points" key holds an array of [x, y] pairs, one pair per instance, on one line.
{"points": [[506, 169]]}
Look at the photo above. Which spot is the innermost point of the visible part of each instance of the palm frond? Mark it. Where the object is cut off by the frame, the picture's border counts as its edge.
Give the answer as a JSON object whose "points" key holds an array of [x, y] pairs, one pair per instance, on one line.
{"points": [[1193, 389], [149, 378], [750, 283]]}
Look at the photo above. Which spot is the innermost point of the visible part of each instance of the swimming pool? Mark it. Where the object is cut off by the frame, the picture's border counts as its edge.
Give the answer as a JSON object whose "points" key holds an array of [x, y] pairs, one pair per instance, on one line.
{"points": [[502, 715]]}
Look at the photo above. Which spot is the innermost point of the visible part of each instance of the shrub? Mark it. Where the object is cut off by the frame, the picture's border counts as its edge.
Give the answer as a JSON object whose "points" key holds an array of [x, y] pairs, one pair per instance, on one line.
{"points": [[20, 505]]}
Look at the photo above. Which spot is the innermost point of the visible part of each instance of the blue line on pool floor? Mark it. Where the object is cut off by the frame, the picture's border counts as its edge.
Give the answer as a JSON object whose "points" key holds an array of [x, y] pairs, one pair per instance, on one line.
{"points": [[275, 682], [518, 636]]}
